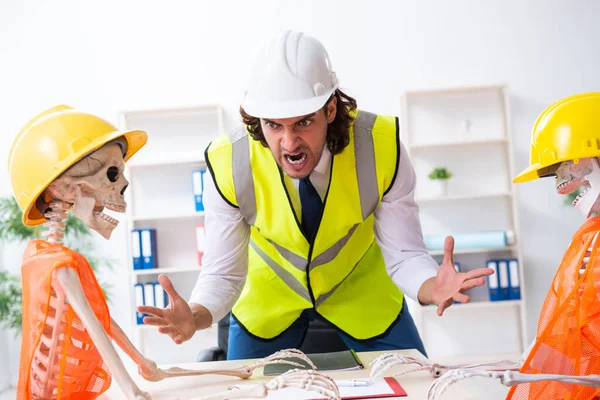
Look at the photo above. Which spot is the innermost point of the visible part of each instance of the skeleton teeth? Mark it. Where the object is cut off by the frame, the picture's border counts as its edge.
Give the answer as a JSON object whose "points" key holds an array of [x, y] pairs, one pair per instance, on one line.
{"points": [[579, 196], [106, 218], [115, 207]]}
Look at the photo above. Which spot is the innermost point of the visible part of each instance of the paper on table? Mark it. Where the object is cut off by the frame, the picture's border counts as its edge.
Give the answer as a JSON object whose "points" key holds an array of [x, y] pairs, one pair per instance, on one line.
{"points": [[382, 387]]}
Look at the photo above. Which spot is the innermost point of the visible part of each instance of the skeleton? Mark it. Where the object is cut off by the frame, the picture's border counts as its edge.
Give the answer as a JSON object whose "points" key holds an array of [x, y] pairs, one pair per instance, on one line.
{"points": [[94, 183], [570, 176]]}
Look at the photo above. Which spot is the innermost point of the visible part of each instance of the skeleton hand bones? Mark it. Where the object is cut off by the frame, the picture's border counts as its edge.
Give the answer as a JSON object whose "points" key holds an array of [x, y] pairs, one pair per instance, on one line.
{"points": [[386, 361], [301, 379], [507, 378]]}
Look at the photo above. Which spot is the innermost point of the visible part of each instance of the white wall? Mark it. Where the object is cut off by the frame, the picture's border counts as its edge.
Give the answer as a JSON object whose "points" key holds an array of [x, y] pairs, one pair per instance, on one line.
{"points": [[118, 54], [5, 367]]}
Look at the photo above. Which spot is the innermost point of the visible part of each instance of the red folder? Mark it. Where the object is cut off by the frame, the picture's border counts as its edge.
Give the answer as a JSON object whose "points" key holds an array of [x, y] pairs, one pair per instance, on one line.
{"points": [[396, 391]]}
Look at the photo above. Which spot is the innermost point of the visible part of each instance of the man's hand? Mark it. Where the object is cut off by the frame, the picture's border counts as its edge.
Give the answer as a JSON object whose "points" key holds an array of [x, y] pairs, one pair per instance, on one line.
{"points": [[177, 320], [449, 286]]}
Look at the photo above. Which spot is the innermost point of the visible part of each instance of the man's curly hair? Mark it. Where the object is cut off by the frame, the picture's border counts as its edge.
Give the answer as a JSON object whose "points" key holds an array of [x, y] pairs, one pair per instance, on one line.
{"points": [[338, 135]]}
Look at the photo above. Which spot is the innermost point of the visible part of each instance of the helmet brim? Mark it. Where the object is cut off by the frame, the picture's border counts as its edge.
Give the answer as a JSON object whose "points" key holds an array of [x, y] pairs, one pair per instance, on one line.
{"points": [[528, 174], [260, 108]]}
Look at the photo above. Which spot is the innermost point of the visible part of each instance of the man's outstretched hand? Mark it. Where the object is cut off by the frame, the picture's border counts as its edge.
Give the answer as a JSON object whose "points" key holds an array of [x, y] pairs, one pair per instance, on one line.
{"points": [[176, 320], [448, 285]]}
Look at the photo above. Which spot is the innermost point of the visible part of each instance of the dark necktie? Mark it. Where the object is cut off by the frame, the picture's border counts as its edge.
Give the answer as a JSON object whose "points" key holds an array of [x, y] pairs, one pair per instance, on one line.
{"points": [[311, 207]]}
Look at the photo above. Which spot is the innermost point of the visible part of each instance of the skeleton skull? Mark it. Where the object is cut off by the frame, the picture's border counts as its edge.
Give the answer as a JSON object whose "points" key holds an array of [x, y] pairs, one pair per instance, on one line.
{"points": [[585, 173], [92, 184]]}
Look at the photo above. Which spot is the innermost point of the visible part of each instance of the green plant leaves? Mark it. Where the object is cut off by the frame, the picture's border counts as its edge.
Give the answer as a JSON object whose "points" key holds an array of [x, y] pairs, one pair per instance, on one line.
{"points": [[440, 173], [10, 301]]}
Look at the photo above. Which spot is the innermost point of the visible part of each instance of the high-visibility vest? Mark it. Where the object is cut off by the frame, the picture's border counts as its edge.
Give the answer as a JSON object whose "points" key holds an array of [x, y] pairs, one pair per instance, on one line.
{"points": [[567, 341], [342, 274], [79, 368]]}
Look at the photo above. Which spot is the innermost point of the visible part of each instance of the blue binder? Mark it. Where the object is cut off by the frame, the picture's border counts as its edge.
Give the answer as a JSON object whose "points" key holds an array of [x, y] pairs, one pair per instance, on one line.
{"points": [[503, 279], [149, 295], [136, 249], [493, 286], [513, 278], [198, 188], [149, 256], [160, 296], [138, 291]]}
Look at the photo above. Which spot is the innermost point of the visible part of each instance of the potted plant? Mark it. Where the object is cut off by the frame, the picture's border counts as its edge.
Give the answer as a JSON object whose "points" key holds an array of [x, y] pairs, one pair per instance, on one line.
{"points": [[440, 178], [12, 230]]}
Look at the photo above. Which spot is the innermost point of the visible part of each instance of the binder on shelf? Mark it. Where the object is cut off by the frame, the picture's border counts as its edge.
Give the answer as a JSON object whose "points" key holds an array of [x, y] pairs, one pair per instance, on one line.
{"points": [[136, 249], [200, 240], [513, 278], [503, 279], [138, 290], [160, 296], [493, 280], [198, 188], [149, 294], [149, 256]]}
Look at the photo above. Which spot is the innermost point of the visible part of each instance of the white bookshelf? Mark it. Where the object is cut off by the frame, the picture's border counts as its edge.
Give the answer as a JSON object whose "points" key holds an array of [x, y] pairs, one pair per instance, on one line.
{"points": [[467, 131], [160, 196]]}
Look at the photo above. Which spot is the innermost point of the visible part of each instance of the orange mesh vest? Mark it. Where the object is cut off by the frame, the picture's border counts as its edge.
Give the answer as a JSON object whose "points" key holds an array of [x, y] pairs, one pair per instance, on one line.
{"points": [[79, 369], [568, 335]]}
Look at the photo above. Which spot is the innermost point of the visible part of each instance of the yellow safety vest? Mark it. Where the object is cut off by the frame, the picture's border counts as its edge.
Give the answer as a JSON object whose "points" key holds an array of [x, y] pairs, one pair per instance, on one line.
{"points": [[343, 274]]}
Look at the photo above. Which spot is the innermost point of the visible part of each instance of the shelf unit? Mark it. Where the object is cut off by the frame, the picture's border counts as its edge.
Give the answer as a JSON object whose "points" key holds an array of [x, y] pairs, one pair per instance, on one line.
{"points": [[160, 196], [468, 131]]}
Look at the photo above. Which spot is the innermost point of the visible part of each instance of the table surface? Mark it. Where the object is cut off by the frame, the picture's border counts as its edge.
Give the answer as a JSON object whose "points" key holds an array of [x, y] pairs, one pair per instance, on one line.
{"points": [[416, 384]]}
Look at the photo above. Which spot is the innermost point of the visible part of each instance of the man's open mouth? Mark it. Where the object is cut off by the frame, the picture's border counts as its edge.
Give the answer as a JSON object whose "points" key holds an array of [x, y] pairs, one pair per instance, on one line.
{"points": [[295, 158]]}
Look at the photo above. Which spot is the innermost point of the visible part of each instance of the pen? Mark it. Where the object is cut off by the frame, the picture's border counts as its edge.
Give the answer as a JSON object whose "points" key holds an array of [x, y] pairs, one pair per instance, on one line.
{"points": [[354, 382]]}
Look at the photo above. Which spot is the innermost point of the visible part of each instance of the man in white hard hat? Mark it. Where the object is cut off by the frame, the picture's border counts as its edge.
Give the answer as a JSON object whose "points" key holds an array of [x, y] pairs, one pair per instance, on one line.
{"points": [[310, 215]]}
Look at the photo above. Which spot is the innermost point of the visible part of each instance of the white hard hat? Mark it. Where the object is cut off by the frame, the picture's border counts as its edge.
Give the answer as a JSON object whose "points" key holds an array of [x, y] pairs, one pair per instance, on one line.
{"points": [[291, 76]]}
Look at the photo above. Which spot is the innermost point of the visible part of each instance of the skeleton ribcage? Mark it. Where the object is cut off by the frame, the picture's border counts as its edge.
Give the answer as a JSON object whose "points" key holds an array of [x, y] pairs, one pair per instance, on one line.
{"points": [[65, 359]]}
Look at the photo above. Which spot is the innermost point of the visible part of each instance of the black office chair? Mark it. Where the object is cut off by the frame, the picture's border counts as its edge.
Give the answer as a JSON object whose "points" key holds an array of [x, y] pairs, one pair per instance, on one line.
{"points": [[321, 337]]}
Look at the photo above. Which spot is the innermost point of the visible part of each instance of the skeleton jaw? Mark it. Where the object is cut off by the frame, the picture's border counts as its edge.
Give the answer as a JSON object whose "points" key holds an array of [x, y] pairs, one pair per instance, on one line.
{"points": [[85, 209], [586, 173]]}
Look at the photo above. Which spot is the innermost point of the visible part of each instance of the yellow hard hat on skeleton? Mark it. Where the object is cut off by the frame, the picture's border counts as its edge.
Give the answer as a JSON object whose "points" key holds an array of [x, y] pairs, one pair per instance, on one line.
{"points": [[50, 143], [567, 130]]}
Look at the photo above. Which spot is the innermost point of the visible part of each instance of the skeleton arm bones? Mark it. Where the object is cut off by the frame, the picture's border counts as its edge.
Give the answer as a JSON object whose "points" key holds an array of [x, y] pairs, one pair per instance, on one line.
{"points": [[300, 379], [69, 281], [507, 378], [149, 370]]}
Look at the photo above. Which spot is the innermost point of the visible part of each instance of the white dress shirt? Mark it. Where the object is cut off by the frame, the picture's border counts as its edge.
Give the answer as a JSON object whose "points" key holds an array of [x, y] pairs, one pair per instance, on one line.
{"points": [[397, 231]]}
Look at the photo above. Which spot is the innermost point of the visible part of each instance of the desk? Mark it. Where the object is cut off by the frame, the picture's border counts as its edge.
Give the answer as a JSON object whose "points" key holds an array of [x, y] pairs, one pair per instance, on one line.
{"points": [[416, 384]]}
